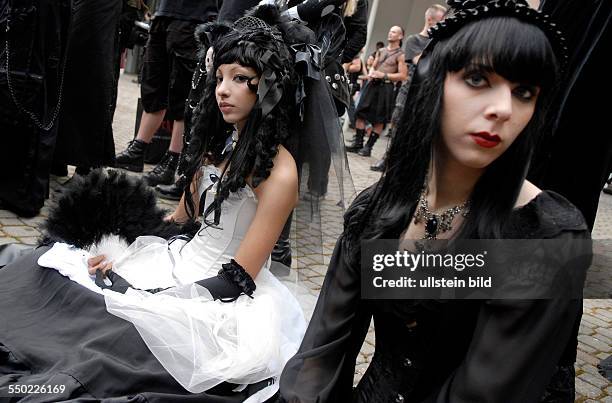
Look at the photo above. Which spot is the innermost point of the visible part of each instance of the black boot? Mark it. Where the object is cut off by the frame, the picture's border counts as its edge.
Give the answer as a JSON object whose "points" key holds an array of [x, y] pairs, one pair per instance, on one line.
{"points": [[379, 166], [357, 142], [132, 157], [172, 192], [282, 250], [163, 173], [366, 151]]}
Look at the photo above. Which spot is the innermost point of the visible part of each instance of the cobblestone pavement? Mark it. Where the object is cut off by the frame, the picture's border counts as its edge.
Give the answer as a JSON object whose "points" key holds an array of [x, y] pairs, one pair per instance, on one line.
{"points": [[595, 339]]}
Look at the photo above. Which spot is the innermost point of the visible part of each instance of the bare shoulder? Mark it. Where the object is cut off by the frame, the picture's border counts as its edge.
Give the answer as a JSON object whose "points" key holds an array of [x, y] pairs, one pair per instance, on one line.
{"points": [[284, 170], [283, 177], [528, 192]]}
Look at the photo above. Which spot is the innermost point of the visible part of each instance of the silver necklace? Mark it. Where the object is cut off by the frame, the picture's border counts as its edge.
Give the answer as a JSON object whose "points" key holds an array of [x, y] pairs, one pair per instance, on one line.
{"points": [[436, 224]]}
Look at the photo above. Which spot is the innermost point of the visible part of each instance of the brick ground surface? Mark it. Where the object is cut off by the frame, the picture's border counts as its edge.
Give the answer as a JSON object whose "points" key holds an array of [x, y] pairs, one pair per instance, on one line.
{"points": [[595, 340]]}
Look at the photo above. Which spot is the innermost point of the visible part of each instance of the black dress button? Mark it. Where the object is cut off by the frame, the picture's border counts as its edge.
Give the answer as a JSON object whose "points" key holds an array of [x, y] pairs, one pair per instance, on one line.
{"points": [[399, 398], [407, 363]]}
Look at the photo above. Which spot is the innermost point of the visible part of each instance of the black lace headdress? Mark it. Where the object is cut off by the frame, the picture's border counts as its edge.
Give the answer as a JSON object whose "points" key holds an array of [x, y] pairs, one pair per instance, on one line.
{"points": [[255, 43], [294, 108]]}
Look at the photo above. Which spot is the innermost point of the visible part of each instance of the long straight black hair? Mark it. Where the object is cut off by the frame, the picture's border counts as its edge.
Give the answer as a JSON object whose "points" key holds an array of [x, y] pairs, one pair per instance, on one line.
{"points": [[518, 51]]}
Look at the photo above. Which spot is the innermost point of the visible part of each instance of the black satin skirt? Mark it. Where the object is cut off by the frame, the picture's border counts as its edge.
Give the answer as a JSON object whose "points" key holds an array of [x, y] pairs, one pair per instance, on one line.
{"points": [[55, 332]]}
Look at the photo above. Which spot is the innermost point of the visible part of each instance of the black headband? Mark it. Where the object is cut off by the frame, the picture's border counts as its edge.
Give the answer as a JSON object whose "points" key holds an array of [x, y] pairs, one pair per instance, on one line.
{"points": [[463, 12]]}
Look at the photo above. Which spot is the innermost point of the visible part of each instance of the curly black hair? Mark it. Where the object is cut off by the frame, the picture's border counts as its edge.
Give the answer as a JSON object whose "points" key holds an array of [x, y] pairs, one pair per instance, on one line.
{"points": [[265, 51]]}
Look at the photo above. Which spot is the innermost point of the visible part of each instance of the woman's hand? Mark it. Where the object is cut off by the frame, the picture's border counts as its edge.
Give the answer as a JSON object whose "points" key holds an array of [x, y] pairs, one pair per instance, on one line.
{"points": [[98, 263]]}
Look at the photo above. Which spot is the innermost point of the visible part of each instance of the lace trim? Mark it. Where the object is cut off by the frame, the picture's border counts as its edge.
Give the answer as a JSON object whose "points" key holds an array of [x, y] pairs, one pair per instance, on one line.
{"points": [[234, 273]]}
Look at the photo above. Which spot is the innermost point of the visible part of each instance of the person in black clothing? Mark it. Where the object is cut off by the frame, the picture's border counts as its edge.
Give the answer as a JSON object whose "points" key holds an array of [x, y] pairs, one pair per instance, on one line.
{"points": [[356, 23], [413, 48], [355, 71], [378, 96], [169, 62], [85, 133], [587, 28], [472, 118], [35, 37], [415, 43]]}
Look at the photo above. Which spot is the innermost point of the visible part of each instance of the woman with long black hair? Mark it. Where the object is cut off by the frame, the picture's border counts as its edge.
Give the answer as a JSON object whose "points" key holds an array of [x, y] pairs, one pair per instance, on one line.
{"points": [[198, 318], [456, 171]]}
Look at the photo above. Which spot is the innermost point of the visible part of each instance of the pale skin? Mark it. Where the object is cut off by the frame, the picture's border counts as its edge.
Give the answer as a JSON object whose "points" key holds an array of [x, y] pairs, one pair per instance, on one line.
{"points": [[474, 101], [277, 195]]}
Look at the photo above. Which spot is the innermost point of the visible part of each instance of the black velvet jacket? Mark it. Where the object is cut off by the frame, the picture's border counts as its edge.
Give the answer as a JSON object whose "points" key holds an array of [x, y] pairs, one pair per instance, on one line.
{"points": [[433, 351]]}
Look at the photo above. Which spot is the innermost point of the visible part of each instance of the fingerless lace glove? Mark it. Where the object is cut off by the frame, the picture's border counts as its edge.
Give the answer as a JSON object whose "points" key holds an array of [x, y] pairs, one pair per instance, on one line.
{"points": [[231, 282]]}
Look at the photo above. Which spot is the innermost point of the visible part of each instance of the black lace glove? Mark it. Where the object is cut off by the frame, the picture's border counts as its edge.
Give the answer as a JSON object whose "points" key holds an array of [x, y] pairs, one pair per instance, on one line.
{"points": [[231, 282]]}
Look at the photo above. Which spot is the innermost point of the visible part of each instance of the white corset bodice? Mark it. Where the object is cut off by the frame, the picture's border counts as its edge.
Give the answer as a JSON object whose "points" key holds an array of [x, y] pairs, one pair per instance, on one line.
{"points": [[214, 245]]}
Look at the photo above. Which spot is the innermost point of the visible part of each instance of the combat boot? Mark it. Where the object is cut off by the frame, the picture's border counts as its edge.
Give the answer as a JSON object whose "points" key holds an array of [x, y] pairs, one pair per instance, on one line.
{"points": [[357, 143], [163, 173], [132, 158], [366, 151]]}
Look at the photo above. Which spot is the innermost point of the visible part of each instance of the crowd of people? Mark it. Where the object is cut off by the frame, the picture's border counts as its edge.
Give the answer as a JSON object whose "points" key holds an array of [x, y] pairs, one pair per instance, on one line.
{"points": [[124, 301]]}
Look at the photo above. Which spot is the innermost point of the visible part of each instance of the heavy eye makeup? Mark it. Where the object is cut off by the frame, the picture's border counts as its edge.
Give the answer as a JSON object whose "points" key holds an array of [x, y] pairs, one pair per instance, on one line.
{"points": [[237, 78], [525, 92], [478, 78]]}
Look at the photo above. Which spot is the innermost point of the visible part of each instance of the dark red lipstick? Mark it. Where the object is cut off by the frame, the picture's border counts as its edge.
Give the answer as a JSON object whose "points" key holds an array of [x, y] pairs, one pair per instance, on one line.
{"points": [[486, 139]]}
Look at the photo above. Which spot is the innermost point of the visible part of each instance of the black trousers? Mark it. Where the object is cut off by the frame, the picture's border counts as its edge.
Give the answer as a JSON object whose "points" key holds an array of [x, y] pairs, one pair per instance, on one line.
{"points": [[169, 62]]}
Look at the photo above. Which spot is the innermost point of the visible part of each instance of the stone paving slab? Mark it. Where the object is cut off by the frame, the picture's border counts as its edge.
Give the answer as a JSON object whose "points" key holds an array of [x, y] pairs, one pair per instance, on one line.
{"points": [[595, 338]]}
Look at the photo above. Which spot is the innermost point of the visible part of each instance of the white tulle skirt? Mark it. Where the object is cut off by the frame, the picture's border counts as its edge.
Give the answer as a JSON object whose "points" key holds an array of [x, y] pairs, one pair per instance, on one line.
{"points": [[203, 342], [199, 341]]}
